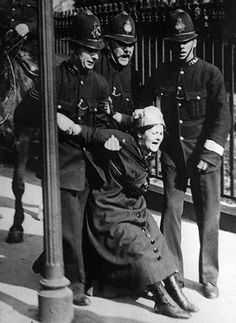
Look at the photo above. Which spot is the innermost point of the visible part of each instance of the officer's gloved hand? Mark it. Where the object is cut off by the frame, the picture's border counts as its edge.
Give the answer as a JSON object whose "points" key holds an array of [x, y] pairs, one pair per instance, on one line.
{"points": [[138, 113], [202, 166], [22, 29], [65, 124]]}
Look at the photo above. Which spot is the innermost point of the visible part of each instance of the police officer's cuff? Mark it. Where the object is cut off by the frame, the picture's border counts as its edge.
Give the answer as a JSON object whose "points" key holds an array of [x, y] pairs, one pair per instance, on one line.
{"points": [[213, 146]]}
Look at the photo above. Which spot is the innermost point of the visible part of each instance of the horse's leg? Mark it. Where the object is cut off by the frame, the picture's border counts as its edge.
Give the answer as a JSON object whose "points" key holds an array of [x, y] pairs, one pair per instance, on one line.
{"points": [[15, 234]]}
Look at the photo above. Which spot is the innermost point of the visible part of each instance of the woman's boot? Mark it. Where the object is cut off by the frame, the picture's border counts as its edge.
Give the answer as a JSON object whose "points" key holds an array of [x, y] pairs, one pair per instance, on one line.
{"points": [[165, 305], [178, 296]]}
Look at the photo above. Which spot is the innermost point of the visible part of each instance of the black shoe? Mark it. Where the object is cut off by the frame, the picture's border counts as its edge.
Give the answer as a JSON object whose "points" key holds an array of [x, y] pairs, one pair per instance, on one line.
{"points": [[167, 306], [173, 288], [210, 290], [39, 265], [79, 298]]}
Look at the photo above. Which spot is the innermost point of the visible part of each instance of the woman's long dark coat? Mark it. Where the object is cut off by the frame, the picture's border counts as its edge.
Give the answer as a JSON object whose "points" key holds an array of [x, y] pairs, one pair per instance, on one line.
{"points": [[120, 227]]}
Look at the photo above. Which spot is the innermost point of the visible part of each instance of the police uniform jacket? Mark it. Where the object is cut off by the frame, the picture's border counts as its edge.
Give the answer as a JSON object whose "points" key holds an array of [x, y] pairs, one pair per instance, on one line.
{"points": [[193, 102], [81, 97], [119, 225], [124, 84]]}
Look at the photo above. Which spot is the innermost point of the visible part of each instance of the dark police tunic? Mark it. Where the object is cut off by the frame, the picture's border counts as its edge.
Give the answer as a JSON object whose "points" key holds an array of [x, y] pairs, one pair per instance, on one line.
{"points": [[81, 97], [193, 101], [119, 225], [124, 84], [194, 105]]}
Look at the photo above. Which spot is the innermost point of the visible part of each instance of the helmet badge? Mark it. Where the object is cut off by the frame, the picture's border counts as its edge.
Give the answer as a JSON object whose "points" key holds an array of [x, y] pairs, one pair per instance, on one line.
{"points": [[180, 26], [127, 26], [96, 32]]}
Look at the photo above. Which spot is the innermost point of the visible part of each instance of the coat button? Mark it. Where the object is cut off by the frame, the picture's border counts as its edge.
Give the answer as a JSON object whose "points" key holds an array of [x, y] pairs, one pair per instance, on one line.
{"points": [[155, 250], [79, 118], [148, 235], [143, 229], [81, 82], [152, 241], [95, 109], [159, 257], [198, 97], [180, 121], [179, 104], [127, 99], [179, 87], [58, 106], [181, 138], [182, 72]]}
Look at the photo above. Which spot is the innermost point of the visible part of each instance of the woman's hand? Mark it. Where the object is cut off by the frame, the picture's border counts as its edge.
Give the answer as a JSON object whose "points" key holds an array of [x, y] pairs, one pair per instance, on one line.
{"points": [[112, 144]]}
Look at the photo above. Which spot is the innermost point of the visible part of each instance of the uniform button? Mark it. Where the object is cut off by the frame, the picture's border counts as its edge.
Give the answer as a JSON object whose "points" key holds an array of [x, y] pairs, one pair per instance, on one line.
{"points": [[181, 138], [182, 72], [198, 97], [12, 19], [95, 109], [155, 250], [59, 106], [179, 104], [152, 241], [158, 257], [13, 9], [138, 215], [148, 235], [179, 87], [127, 99], [180, 121], [162, 94], [81, 82], [131, 207], [79, 118], [143, 229]]}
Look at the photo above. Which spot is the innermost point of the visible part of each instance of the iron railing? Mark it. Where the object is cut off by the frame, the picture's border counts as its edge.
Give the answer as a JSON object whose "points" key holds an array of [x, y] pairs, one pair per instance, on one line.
{"points": [[151, 50]]}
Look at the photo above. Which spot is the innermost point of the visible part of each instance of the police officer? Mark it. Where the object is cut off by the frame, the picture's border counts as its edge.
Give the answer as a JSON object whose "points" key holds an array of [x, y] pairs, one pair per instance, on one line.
{"points": [[81, 96], [115, 65], [192, 97]]}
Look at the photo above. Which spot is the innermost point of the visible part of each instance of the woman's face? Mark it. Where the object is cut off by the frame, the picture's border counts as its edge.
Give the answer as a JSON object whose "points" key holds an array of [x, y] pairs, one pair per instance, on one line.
{"points": [[152, 138]]}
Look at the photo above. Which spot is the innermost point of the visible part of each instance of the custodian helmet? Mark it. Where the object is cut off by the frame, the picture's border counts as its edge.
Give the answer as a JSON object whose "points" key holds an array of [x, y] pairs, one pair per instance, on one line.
{"points": [[86, 30], [122, 29], [181, 27]]}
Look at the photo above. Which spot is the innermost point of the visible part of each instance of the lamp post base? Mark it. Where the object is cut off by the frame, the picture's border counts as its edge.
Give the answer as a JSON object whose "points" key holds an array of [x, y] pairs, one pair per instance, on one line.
{"points": [[56, 305]]}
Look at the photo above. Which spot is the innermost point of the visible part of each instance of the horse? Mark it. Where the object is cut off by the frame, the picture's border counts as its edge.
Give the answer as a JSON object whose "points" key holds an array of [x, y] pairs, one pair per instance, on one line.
{"points": [[17, 75]]}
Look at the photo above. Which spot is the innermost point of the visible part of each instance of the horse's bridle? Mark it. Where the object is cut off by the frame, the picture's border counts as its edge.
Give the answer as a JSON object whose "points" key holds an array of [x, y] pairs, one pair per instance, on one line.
{"points": [[12, 92]]}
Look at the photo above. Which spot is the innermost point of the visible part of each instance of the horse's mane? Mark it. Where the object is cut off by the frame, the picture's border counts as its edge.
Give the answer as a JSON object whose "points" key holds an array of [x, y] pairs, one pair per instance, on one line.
{"points": [[18, 86]]}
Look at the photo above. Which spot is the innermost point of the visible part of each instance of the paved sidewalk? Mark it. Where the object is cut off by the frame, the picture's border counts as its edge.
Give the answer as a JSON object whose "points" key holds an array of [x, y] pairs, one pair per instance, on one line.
{"points": [[19, 285]]}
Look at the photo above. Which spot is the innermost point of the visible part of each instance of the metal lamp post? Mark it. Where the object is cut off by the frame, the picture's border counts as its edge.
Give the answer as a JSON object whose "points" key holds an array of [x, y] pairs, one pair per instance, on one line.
{"points": [[55, 298]]}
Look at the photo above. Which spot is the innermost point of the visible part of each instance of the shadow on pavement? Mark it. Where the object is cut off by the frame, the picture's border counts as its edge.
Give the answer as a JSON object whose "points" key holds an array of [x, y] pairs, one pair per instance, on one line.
{"points": [[29, 311]]}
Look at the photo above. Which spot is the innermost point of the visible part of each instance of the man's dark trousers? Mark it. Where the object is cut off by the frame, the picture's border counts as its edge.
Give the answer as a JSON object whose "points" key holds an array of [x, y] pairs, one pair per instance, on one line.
{"points": [[205, 189], [73, 208]]}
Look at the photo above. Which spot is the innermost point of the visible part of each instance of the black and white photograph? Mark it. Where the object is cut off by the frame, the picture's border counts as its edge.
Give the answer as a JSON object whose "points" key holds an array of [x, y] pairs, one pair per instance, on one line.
{"points": [[117, 161]]}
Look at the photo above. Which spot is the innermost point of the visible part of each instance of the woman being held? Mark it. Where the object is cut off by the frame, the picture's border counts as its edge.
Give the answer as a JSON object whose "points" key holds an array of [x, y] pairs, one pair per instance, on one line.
{"points": [[120, 227]]}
